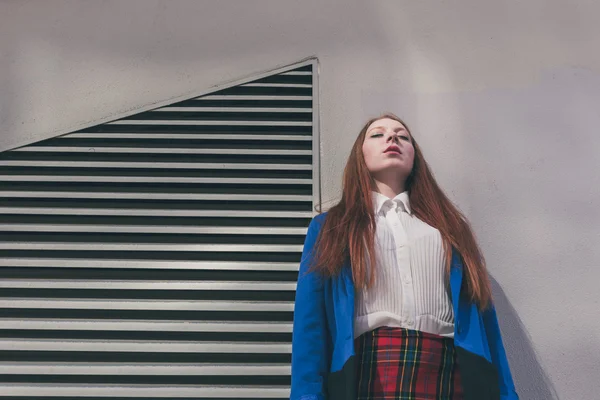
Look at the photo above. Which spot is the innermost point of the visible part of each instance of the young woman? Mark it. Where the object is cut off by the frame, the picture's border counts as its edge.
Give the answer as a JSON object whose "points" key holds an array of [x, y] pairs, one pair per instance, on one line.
{"points": [[393, 299]]}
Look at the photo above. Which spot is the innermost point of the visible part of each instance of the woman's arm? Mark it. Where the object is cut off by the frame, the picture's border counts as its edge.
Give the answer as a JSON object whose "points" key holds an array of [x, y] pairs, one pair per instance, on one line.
{"points": [[507, 386], [309, 337]]}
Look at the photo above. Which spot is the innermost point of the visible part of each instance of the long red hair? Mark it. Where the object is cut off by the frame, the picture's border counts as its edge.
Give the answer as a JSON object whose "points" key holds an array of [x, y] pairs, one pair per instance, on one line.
{"points": [[349, 228]]}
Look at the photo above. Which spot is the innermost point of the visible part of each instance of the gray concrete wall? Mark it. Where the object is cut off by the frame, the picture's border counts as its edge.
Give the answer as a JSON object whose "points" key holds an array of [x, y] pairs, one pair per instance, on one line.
{"points": [[503, 97]]}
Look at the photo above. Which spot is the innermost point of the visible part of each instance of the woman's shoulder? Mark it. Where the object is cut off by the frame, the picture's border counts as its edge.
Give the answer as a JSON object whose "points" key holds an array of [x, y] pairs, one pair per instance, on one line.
{"points": [[319, 218], [317, 222]]}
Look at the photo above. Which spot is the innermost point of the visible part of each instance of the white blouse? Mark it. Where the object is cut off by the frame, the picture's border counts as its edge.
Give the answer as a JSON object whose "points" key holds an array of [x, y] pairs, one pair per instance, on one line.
{"points": [[409, 290]]}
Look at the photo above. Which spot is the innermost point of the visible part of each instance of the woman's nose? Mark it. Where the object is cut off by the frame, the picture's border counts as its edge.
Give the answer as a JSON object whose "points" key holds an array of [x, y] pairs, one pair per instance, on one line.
{"points": [[394, 137]]}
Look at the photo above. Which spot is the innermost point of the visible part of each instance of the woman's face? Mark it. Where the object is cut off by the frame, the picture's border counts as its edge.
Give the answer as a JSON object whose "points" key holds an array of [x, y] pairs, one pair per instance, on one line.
{"points": [[388, 150]]}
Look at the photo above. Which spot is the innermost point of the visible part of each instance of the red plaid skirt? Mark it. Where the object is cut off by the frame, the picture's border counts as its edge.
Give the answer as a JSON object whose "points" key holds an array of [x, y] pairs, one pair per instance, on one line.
{"points": [[403, 364]]}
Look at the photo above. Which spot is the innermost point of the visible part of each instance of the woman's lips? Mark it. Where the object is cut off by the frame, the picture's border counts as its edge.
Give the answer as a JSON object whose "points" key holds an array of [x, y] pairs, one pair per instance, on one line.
{"points": [[393, 149]]}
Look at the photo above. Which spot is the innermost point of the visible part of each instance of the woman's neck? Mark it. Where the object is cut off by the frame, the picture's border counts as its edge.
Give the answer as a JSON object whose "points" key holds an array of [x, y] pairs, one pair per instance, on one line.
{"points": [[390, 190]]}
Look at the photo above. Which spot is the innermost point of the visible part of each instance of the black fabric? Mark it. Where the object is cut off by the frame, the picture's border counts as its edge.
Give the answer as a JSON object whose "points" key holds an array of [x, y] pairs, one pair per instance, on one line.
{"points": [[341, 385], [479, 377]]}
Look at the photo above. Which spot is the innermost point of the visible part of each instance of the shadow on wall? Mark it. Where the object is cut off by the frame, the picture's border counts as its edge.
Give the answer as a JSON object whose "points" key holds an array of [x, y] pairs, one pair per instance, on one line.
{"points": [[530, 379]]}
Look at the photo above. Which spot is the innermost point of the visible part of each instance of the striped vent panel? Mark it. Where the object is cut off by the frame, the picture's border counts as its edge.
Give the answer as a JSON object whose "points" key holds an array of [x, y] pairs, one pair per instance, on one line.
{"points": [[156, 256]]}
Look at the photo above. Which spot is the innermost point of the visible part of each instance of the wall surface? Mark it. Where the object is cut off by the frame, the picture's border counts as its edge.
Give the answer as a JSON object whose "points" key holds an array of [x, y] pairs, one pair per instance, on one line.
{"points": [[502, 96]]}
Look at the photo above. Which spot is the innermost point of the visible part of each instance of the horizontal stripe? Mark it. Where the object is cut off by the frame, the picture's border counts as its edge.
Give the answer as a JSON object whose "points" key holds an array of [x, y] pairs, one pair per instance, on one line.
{"points": [[156, 150], [154, 212], [297, 73], [174, 305], [189, 136], [146, 346], [221, 230], [235, 109], [145, 326], [33, 368], [153, 264], [163, 165], [149, 247], [288, 85], [146, 179], [209, 123], [251, 97], [145, 285], [156, 196], [143, 391]]}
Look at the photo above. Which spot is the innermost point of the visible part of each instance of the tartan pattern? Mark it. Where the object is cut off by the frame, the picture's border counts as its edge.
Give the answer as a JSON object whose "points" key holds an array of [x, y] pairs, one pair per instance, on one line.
{"points": [[404, 364]]}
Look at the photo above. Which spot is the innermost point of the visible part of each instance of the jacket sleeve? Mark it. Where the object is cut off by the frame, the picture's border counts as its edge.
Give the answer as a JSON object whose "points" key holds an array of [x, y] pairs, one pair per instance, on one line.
{"points": [[309, 335], [507, 386]]}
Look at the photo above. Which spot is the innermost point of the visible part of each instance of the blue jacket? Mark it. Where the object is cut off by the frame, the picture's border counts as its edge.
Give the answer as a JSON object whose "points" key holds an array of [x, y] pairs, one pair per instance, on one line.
{"points": [[323, 362]]}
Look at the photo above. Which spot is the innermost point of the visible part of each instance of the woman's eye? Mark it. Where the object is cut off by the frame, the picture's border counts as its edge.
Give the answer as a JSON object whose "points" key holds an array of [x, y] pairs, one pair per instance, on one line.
{"points": [[377, 134], [405, 138]]}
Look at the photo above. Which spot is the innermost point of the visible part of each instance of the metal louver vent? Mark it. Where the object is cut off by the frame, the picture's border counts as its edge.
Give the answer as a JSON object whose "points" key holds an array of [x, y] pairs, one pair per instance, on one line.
{"points": [[156, 256]]}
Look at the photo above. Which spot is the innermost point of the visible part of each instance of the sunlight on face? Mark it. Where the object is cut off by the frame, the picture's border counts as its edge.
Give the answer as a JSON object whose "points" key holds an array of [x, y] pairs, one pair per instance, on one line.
{"points": [[388, 150]]}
